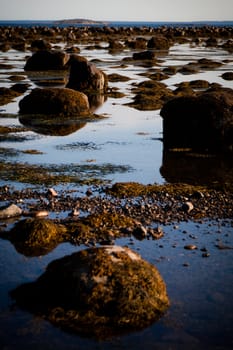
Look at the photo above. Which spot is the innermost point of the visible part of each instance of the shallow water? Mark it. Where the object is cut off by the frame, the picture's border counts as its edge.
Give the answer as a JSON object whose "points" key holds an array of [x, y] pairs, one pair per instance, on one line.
{"points": [[125, 136], [200, 288]]}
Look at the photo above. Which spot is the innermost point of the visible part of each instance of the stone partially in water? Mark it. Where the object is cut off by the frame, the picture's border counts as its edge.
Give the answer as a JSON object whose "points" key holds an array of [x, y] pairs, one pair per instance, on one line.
{"points": [[202, 123], [37, 236], [10, 211], [98, 291], [59, 101]]}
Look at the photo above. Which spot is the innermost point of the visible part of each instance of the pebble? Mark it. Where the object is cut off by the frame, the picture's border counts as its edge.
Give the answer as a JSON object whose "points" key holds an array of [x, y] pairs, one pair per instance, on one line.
{"points": [[52, 192], [190, 247], [41, 214], [187, 207]]}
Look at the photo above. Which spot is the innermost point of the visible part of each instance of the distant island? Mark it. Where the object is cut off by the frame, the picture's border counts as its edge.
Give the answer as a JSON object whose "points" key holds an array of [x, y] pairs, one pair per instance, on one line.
{"points": [[78, 21]]}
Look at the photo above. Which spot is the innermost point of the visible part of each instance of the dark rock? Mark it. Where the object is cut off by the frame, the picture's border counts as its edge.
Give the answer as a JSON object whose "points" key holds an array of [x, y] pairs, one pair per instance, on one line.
{"points": [[37, 236], [158, 42], [227, 75], [115, 45], [40, 45], [138, 43], [97, 292], [144, 55], [47, 60], [85, 76], [203, 122], [60, 101]]}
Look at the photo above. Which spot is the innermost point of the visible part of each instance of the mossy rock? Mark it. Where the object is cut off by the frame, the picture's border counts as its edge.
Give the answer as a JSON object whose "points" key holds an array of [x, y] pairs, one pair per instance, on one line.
{"points": [[135, 189], [99, 227], [37, 236], [55, 101], [97, 292]]}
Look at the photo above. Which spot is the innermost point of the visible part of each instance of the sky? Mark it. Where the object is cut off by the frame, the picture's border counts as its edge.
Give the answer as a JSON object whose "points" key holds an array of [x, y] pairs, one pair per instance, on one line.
{"points": [[117, 10]]}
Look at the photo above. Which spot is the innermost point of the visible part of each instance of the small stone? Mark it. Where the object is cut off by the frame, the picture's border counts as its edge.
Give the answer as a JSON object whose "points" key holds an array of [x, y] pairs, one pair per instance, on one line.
{"points": [[74, 212], [187, 207], [10, 211], [89, 192], [197, 195], [41, 214], [140, 232], [190, 247], [52, 192], [205, 255]]}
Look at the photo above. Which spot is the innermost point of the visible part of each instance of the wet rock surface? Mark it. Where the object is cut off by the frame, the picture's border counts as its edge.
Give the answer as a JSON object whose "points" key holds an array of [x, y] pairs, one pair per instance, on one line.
{"points": [[202, 122], [55, 101], [97, 292]]}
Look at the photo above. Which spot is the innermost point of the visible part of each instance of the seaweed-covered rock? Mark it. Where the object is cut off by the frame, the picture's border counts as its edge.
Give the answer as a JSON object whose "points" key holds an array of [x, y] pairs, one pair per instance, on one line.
{"points": [[202, 123], [36, 236], [47, 60], [98, 291], [60, 101], [85, 76]]}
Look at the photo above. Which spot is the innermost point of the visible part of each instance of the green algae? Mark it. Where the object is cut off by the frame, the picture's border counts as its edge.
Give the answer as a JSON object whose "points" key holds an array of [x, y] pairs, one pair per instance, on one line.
{"points": [[98, 292], [134, 189], [99, 227], [84, 174], [36, 236]]}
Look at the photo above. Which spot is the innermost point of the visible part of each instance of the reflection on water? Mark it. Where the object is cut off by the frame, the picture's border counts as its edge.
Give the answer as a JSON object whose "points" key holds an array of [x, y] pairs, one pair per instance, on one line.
{"points": [[200, 290], [51, 125], [194, 168]]}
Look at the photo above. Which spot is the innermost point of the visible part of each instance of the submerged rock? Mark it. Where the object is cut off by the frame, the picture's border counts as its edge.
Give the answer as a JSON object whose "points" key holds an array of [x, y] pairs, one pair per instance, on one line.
{"points": [[97, 292], [60, 101]]}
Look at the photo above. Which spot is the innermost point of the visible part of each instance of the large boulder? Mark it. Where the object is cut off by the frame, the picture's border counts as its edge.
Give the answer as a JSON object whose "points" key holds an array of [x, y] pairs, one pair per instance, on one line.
{"points": [[59, 101], [202, 123], [85, 76], [98, 291], [47, 60]]}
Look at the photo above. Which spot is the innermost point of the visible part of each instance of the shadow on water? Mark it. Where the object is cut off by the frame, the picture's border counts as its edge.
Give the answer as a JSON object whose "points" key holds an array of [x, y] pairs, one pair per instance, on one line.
{"points": [[199, 169]]}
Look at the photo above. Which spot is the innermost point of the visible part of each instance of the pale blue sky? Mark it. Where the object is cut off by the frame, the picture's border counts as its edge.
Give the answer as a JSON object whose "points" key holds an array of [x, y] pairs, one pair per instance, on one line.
{"points": [[122, 10]]}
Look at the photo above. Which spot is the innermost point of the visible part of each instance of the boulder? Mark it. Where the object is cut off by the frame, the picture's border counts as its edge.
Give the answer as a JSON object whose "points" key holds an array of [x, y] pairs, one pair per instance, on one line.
{"points": [[47, 60], [59, 101], [203, 122], [97, 292], [158, 42], [85, 76]]}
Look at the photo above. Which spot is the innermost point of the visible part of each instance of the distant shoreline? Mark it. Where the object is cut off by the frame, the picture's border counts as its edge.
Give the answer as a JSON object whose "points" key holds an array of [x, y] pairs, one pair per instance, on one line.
{"points": [[86, 22], [79, 21]]}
